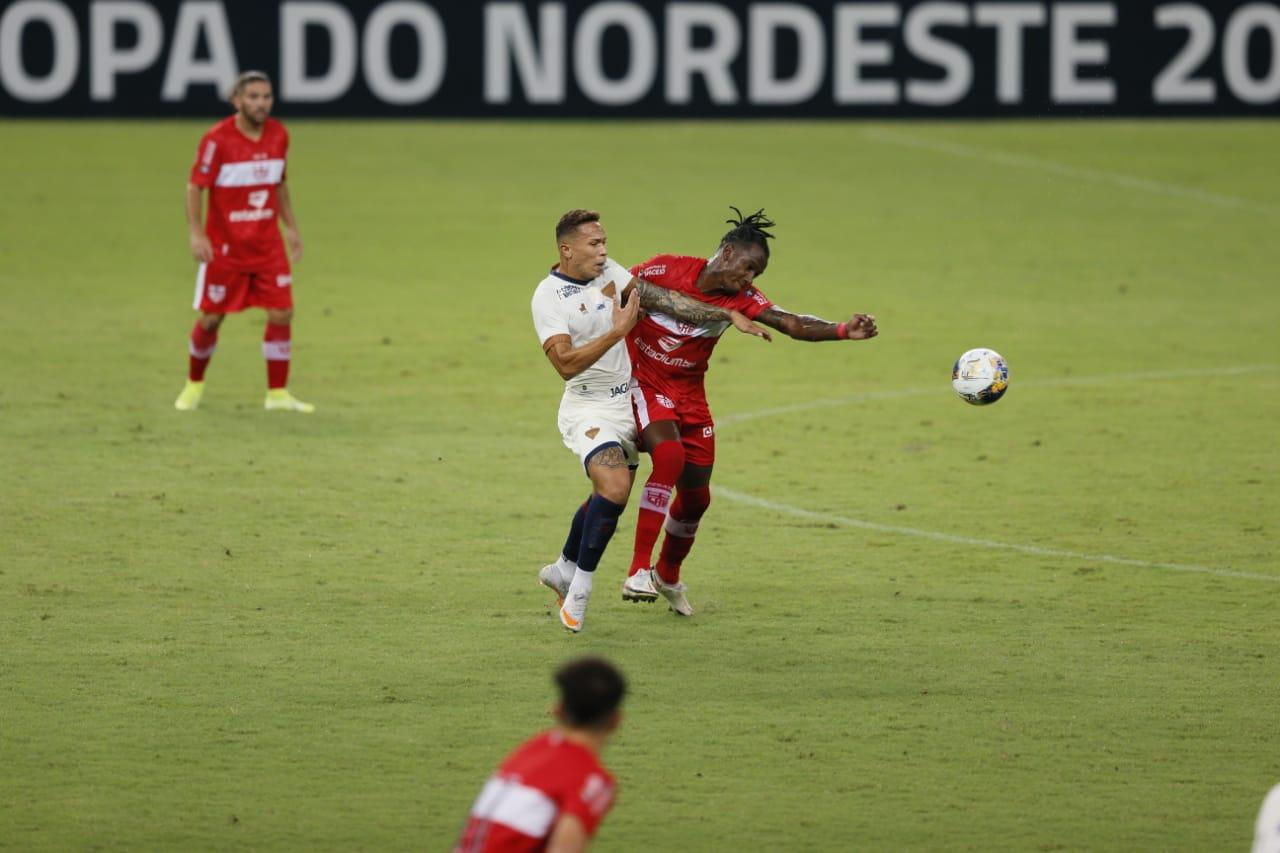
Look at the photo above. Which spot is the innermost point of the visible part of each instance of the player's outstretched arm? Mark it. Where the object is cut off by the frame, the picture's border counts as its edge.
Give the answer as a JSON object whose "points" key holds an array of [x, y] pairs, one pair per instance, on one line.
{"points": [[569, 360], [661, 300], [805, 327]]}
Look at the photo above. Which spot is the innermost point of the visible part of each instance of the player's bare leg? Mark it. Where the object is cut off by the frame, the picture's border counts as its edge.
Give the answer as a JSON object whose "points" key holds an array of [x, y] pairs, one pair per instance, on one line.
{"points": [[611, 480], [204, 340], [276, 351]]}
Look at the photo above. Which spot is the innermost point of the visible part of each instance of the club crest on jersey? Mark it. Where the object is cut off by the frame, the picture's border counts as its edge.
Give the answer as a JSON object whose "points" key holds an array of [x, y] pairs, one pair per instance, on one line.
{"points": [[669, 342], [582, 306], [217, 292]]}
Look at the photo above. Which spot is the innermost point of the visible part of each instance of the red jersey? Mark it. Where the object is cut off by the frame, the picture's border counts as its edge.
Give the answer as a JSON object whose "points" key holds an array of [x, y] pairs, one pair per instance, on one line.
{"points": [[661, 347], [243, 178], [546, 777]]}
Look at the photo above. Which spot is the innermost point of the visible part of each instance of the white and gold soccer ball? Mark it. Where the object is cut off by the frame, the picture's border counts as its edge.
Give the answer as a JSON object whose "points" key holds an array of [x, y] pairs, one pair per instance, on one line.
{"points": [[980, 376]]}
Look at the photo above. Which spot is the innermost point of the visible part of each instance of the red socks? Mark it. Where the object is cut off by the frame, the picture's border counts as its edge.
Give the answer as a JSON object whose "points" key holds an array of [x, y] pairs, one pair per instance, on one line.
{"points": [[275, 349], [201, 347], [681, 527], [668, 462]]}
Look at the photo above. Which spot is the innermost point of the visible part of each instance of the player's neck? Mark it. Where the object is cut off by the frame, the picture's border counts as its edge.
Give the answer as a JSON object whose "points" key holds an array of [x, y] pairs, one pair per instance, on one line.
{"points": [[589, 738], [708, 281], [248, 128]]}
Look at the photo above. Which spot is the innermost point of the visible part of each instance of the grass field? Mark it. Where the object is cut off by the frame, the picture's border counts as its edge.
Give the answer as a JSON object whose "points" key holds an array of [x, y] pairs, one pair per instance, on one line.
{"points": [[233, 629]]}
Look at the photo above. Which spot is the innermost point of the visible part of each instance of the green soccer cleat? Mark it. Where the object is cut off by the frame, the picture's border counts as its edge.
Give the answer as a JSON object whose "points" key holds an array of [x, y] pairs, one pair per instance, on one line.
{"points": [[280, 400], [189, 399]]}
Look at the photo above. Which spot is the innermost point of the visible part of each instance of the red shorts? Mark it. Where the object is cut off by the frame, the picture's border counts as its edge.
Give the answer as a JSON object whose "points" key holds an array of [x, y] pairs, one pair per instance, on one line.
{"points": [[220, 290], [687, 406]]}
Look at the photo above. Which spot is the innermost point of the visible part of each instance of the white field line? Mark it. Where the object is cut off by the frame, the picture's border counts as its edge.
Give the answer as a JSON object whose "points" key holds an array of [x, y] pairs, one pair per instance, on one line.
{"points": [[941, 389], [970, 541], [1036, 550], [1115, 179]]}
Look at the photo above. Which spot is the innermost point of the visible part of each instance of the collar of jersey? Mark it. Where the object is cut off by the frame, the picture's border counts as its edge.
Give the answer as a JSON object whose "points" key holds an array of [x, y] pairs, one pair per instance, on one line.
{"points": [[581, 282]]}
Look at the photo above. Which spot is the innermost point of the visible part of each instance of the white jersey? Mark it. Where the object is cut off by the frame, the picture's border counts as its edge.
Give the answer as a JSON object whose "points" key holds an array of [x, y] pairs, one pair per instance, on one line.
{"points": [[1266, 834], [583, 310]]}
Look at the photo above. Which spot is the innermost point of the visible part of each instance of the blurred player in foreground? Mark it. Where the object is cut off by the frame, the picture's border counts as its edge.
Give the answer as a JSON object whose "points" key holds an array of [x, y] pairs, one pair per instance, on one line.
{"points": [[669, 361], [241, 162], [582, 311], [1266, 832], [552, 792]]}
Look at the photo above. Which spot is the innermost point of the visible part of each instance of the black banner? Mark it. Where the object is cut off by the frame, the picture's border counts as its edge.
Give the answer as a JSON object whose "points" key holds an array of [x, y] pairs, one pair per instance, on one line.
{"points": [[644, 58]]}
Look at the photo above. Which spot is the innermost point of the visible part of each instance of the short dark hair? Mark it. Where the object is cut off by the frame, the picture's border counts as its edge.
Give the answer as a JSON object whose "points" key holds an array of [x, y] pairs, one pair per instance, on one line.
{"points": [[244, 78], [571, 220], [591, 689], [749, 229]]}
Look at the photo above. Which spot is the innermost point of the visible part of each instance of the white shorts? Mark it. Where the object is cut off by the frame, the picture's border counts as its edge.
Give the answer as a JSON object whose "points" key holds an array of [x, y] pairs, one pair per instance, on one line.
{"points": [[590, 425]]}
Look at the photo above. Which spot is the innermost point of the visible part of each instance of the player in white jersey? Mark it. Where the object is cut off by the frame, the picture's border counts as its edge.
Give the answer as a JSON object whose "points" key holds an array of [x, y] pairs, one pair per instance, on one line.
{"points": [[582, 312], [1266, 833]]}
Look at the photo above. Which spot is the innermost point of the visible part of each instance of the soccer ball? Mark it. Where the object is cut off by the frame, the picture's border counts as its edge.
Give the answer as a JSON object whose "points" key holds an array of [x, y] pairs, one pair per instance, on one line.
{"points": [[980, 377]]}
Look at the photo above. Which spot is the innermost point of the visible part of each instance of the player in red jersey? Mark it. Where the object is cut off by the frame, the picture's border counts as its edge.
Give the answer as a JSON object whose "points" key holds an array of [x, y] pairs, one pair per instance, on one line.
{"points": [[668, 362], [552, 792], [241, 162]]}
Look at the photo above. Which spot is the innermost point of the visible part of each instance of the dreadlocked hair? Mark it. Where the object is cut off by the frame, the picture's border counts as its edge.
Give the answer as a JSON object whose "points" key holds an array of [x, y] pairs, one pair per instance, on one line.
{"points": [[749, 229]]}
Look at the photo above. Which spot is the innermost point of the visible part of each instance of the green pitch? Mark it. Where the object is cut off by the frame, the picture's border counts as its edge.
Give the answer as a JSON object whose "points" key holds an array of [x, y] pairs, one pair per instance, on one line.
{"points": [[1048, 624]]}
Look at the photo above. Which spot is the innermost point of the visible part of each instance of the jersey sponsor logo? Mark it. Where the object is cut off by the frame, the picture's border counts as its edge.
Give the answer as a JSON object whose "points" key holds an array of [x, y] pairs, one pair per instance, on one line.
{"points": [[669, 360], [757, 296], [259, 211], [619, 390], [217, 292], [251, 215], [655, 270]]}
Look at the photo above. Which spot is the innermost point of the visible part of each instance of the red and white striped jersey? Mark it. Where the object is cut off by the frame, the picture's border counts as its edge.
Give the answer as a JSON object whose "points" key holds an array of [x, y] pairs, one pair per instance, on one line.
{"points": [[243, 178], [546, 777], [662, 348]]}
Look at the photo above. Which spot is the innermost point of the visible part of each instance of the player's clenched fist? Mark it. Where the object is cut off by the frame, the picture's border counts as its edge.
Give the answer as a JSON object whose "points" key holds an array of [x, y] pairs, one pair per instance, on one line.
{"points": [[860, 327]]}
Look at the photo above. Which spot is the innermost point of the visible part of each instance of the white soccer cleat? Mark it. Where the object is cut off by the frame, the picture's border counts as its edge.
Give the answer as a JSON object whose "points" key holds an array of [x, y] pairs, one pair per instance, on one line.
{"points": [[573, 613], [549, 576], [280, 400], [673, 593], [639, 587]]}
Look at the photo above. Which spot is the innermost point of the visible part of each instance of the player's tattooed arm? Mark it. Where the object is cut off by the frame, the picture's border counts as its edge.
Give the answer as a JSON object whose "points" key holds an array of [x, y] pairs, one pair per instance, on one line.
{"points": [[661, 300], [806, 327], [610, 457]]}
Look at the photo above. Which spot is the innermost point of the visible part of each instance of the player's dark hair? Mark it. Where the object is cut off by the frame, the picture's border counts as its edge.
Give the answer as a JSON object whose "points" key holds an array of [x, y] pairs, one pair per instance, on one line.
{"points": [[571, 220], [749, 229], [591, 690], [247, 77]]}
